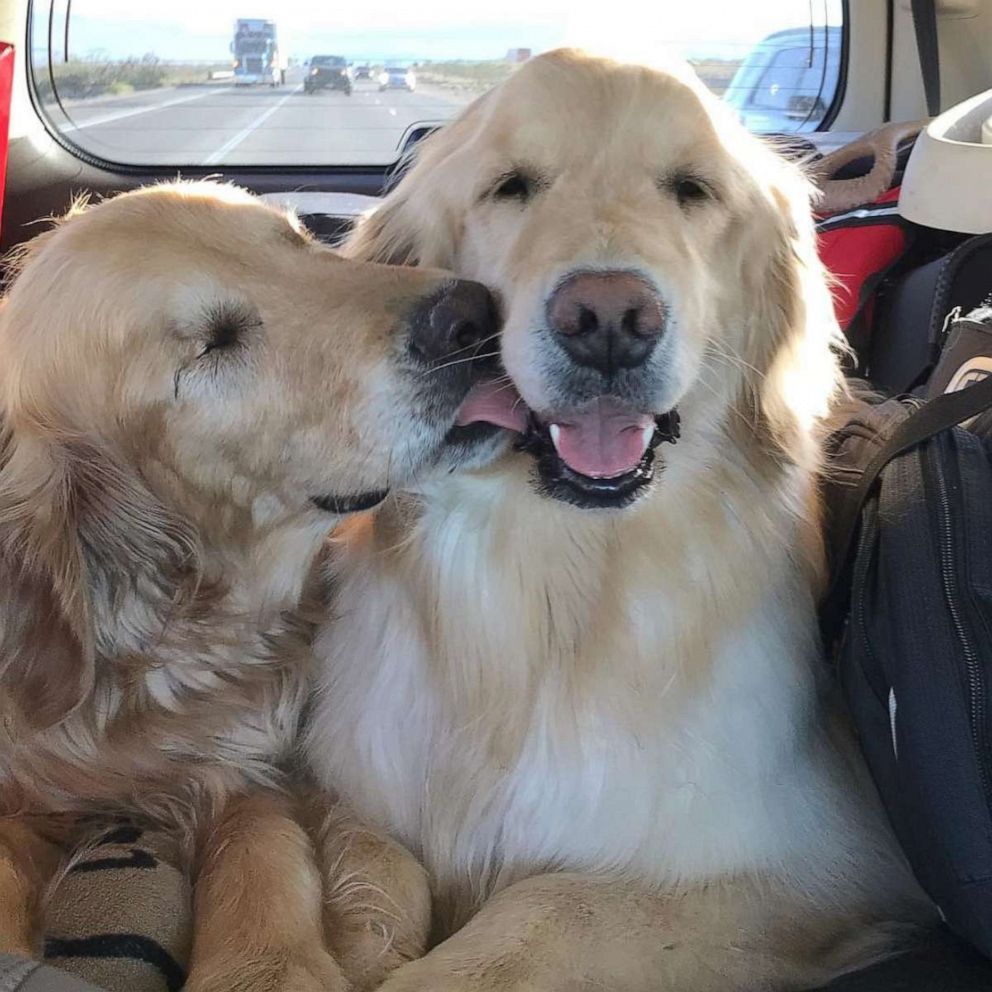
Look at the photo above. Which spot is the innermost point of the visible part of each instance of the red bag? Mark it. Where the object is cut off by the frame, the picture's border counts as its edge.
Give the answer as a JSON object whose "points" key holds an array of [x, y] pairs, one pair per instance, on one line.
{"points": [[861, 235], [859, 247]]}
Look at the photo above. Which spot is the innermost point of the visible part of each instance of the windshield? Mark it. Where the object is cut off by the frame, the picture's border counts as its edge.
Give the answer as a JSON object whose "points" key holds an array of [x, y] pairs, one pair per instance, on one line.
{"points": [[151, 84]]}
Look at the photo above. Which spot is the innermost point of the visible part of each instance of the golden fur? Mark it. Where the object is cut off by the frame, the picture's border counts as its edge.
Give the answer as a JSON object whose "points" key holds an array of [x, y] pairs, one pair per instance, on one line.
{"points": [[605, 734], [182, 372]]}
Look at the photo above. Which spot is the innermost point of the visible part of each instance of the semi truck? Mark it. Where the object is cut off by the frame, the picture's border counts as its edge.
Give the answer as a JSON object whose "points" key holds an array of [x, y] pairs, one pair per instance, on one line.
{"points": [[256, 53]]}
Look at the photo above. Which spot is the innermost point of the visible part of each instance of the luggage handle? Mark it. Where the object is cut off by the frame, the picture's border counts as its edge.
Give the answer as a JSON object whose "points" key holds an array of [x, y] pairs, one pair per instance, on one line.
{"points": [[882, 147], [934, 416]]}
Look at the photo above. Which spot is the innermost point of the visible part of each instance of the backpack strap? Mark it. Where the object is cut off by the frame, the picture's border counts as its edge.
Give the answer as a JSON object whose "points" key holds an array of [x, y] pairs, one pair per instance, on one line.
{"points": [[934, 416]]}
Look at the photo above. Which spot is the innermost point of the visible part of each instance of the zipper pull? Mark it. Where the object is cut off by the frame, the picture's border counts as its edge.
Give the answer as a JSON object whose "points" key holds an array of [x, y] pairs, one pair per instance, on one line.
{"points": [[954, 315]]}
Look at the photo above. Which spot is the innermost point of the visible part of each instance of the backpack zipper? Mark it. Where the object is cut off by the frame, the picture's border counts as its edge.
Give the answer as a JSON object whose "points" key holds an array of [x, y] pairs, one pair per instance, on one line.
{"points": [[977, 707], [866, 540]]}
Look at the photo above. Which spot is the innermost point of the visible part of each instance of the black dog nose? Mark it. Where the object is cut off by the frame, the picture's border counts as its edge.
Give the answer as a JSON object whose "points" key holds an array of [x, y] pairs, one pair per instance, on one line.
{"points": [[607, 320], [456, 323]]}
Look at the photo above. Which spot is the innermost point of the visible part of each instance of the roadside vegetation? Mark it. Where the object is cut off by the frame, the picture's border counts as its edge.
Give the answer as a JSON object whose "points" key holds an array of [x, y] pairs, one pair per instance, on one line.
{"points": [[95, 76], [472, 78]]}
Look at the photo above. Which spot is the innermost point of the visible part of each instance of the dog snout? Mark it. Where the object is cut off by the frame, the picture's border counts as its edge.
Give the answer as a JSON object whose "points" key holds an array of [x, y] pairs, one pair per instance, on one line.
{"points": [[456, 323], [607, 320]]}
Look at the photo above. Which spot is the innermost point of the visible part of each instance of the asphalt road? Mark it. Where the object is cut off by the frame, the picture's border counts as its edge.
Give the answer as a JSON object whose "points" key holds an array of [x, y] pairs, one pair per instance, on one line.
{"points": [[226, 125]]}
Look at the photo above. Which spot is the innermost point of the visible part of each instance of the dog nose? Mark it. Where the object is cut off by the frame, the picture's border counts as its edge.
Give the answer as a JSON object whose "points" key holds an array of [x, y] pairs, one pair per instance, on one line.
{"points": [[607, 320], [456, 323]]}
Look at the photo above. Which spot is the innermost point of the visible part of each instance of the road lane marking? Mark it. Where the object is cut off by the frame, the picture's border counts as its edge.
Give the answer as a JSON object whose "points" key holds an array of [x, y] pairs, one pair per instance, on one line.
{"points": [[120, 115], [215, 157]]}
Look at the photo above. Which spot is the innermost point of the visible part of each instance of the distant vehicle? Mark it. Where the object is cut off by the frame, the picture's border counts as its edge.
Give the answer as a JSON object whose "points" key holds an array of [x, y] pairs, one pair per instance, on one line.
{"points": [[397, 78], [256, 53], [784, 85], [328, 72], [363, 72]]}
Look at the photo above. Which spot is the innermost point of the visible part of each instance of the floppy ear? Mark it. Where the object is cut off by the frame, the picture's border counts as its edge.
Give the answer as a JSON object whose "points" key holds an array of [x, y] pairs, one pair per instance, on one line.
{"points": [[420, 221], [93, 565], [414, 225], [385, 234], [46, 656], [793, 340]]}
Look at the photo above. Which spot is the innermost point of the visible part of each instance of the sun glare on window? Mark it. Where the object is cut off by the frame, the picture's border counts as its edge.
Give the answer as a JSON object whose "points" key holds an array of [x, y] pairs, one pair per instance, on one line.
{"points": [[300, 84]]}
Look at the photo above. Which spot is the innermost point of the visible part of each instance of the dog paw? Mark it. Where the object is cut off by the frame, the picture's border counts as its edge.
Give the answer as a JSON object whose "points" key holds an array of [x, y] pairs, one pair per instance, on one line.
{"points": [[367, 956], [272, 971]]}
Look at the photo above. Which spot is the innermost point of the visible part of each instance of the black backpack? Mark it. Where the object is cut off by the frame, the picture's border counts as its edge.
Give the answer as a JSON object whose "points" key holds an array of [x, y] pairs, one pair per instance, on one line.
{"points": [[908, 623]]}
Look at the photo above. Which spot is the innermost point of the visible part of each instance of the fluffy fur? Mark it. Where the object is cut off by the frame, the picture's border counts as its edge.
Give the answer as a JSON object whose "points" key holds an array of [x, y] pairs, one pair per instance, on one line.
{"points": [[606, 733], [183, 373]]}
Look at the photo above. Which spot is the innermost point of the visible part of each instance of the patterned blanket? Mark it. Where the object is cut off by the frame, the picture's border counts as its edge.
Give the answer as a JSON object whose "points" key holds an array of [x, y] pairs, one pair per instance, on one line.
{"points": [[121, 916]]}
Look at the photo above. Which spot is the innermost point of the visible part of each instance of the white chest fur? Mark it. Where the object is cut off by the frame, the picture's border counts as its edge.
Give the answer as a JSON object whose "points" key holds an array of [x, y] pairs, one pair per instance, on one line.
{"points": [[515, 691]]}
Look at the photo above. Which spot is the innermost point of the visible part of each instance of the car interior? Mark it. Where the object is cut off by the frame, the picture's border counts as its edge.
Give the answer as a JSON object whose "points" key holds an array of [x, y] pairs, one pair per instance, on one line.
{"points": [[104, 96]]}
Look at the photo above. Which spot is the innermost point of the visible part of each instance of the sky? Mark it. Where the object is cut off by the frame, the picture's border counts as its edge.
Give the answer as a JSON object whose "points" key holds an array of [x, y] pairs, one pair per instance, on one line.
{"points": [[636, 30]]}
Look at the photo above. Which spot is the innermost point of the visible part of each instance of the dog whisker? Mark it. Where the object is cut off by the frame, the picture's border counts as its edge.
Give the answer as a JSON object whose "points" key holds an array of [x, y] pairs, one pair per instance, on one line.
{"points": [[725, 352], [474, 344], [459, 361]]}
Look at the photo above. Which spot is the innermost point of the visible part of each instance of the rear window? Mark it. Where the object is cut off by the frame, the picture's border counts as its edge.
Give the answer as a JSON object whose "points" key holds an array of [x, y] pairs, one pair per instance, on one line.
{"points": [[194, 84]]}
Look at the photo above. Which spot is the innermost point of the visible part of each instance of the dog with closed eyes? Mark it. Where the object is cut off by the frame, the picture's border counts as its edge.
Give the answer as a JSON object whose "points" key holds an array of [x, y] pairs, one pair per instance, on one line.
{"points": [[581, 681], [193, 391]]}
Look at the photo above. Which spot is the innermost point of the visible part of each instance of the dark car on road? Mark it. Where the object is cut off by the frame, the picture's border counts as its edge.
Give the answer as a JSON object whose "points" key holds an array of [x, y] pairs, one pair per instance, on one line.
{"points": [[363, 72], [328, 72]]}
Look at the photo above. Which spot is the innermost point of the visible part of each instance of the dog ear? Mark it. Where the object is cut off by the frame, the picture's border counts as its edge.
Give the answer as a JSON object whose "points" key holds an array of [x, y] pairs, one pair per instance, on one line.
{"points": [[793, 340], [413, 226], [419, 222], [385, 234], [94, 564]]}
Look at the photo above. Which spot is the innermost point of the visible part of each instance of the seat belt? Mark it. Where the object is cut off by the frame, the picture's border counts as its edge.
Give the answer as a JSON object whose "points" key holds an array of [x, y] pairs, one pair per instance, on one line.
{"points": [[925, 24]]}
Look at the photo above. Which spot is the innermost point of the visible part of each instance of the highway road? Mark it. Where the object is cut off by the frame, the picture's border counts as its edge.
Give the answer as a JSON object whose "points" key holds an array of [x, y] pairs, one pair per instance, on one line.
{"points": [[220, 124]]}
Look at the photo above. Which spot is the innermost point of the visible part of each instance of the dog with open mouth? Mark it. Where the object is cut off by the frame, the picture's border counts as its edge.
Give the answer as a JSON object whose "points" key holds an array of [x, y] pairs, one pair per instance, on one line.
{"points": [[580, 677]]}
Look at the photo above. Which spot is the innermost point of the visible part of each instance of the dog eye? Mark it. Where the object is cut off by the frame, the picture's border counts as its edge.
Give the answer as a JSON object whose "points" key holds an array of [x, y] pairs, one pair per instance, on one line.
{"points": [[689, 190], [513, 186], [226, 326]]}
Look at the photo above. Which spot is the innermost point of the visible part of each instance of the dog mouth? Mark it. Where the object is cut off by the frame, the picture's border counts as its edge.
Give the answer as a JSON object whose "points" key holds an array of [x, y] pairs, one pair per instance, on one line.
{"points": [[602, 454]]}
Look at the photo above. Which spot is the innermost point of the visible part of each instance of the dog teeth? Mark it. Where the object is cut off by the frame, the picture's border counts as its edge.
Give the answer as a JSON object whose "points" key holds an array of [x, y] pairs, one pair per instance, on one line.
{"points": [[555, 431], [646, 434]]}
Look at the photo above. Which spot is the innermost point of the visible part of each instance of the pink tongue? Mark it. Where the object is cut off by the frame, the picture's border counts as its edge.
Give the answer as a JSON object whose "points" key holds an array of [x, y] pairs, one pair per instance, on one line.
{"points": [[494, 403], [603, 441]]}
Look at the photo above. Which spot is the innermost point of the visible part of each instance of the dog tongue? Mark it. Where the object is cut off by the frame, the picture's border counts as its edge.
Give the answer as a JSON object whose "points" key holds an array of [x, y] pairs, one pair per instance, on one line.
{"points": [[601, 441], [604, 440], [496, 403]]}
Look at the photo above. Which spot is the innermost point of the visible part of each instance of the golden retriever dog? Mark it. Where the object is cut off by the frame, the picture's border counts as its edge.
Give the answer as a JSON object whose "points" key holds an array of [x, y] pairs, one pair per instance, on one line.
{"points": [[192, 392], [582, 680]]}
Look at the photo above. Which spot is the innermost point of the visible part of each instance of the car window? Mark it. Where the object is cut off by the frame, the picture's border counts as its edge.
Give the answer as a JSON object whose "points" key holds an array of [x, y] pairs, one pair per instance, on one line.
{"points": [[193, 84], [785, 79]]}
